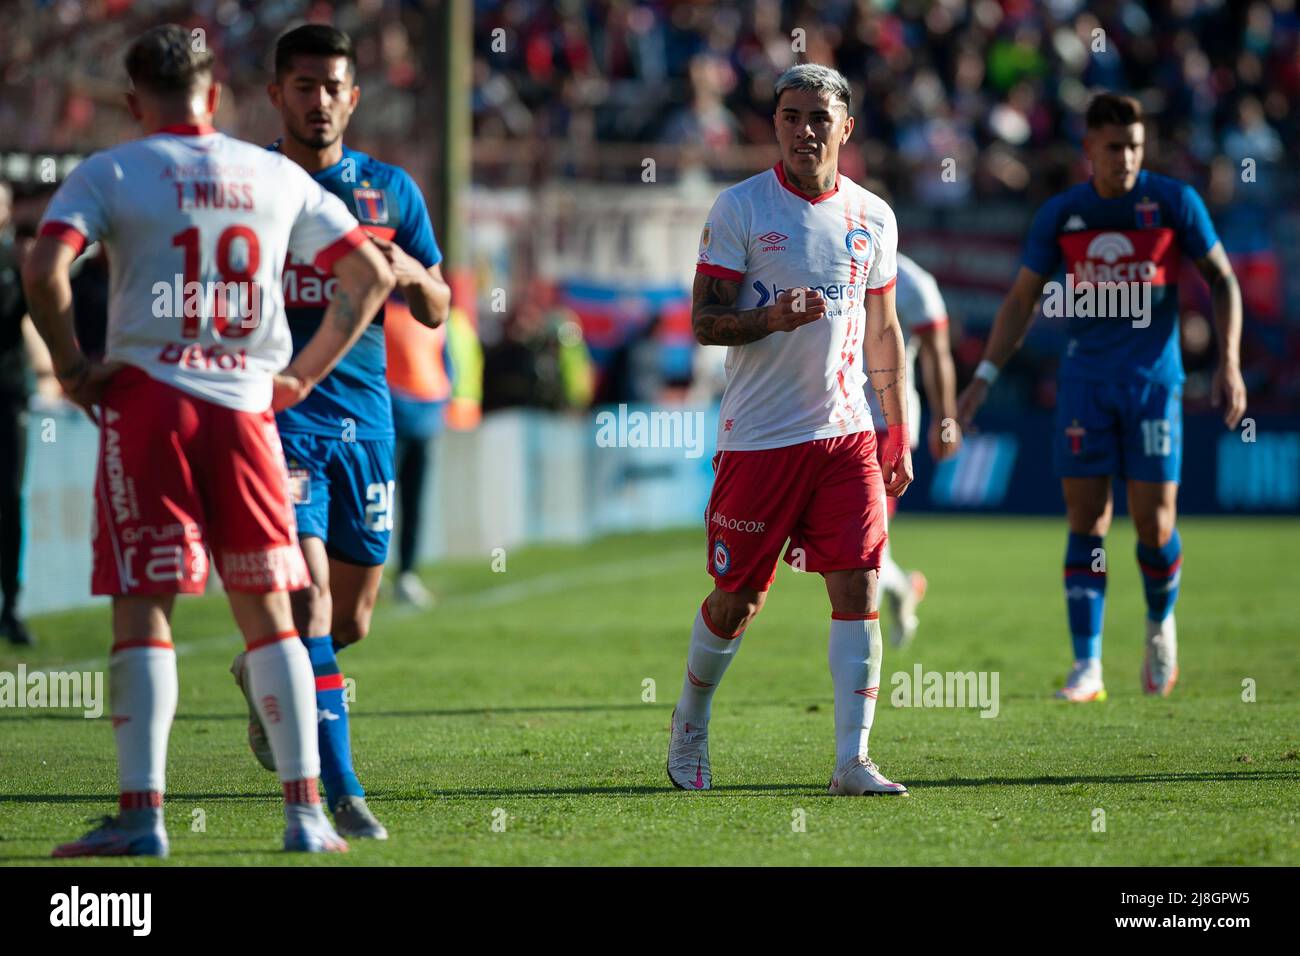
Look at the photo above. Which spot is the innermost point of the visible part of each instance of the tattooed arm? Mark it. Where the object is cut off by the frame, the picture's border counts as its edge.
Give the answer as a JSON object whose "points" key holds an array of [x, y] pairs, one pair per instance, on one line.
{"points": [[364, 281], [49, 302], [716, 320], [887, 372]]}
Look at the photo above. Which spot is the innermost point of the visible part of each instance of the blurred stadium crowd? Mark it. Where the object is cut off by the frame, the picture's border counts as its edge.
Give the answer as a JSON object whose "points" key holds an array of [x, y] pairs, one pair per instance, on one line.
{"points": [[62, 76], [1001, 85], [587, 89], [581, 89]]}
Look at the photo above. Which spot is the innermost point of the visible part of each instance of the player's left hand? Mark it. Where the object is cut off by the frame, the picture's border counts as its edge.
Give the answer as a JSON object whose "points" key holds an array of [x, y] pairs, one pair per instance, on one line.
{"points": [[896, 461], [970, 400], [84, 385], [407, 270], [287, 390], [1229, 389], [944, 438]]}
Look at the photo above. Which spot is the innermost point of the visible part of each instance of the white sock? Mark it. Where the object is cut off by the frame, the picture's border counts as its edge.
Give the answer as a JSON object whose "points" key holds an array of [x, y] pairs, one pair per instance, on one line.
{"points": [[284, 688], [855, 652], [706, 662], [143, 691], [891, 576]]}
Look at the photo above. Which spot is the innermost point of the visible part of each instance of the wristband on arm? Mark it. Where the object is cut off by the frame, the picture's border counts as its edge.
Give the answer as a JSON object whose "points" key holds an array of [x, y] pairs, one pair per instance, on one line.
{"points": [[986, 372], [897, 442]]}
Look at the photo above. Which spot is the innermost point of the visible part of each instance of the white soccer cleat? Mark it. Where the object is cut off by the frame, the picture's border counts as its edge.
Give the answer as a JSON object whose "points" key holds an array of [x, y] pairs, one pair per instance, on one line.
{"points": [[114, 838], [860, 777], [313, 834], [1084, 683], [688, 756], [409, 589], [1160, 666], [904, 611]]}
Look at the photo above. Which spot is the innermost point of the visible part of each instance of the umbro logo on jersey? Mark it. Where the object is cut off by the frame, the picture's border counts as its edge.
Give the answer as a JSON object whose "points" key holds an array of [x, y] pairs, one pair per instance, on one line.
{"points": [[772, 241], [1073, 224]]}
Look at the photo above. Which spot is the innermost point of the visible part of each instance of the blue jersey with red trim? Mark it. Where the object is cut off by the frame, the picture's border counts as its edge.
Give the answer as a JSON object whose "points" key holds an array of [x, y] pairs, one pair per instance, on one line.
{"points": [[1138, 237], [388, 204]]}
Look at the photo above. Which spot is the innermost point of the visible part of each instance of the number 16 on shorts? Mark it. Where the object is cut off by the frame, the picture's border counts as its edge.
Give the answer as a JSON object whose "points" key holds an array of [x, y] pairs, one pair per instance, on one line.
{"points": [[379, 506], [1157, 439]]}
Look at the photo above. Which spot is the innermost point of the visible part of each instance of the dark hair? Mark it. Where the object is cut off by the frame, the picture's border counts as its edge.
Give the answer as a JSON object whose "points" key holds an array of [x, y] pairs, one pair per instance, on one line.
{"points": [[164, 60], [1111, 109], [313, 39], [818, 79]]}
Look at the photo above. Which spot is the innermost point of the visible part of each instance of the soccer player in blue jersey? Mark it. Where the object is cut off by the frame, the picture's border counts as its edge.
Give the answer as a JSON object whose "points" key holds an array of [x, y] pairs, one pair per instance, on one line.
{"points": [[1116, 243], [339, 443]]}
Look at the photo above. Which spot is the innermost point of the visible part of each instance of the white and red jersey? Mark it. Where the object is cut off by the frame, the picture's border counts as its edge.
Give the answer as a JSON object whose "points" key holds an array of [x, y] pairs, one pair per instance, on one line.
{"points": [[920, 307], [198, 226], [794, 387]]}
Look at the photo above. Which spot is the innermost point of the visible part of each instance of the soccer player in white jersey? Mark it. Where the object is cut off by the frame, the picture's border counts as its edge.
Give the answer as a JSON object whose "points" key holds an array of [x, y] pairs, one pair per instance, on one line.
{"points": [[923, 318], [796, 275], [197, 226]]}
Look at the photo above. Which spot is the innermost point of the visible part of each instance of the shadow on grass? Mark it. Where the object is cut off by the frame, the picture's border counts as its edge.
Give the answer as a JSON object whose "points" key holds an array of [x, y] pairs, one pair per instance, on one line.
{"points": [[269, 794], [757, 789], [783, 789], [186, 858], [1200, 776], [242, 716]]}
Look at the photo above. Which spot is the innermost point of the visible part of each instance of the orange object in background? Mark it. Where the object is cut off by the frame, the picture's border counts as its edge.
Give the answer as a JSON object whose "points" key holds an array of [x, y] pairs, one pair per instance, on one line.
{"points": [[415, 356]]}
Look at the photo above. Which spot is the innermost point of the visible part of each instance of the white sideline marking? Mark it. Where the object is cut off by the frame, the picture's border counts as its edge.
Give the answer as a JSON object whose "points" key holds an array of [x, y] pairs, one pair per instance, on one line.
{"points": [[555, 583], [564, 580]]}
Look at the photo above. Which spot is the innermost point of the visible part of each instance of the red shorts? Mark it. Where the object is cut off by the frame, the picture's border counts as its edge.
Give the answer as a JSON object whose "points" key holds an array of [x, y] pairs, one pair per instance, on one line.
{"points": [[178, 476], [825, 496]]}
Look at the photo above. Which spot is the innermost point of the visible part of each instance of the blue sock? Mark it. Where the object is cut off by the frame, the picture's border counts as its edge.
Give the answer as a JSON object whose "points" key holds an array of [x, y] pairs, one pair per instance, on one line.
{"points": [[335, 741], [1085, 593], [1161, 571]]}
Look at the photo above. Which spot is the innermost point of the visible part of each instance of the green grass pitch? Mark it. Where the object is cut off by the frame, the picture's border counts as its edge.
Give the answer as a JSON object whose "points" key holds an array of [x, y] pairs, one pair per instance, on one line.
{"points": [[508, 725]]}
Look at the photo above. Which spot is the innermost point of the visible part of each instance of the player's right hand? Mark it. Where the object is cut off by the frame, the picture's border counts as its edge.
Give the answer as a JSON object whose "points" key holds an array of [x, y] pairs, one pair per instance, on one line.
{"points": [[970, 400], [287, 390], [897, 477], [795, 307], [896, 461]]}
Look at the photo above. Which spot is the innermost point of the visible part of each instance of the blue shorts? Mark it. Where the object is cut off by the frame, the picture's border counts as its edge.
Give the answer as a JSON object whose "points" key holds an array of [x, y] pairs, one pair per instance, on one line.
{"points": [[416, 419], [1128, 429], [343, 494]]}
